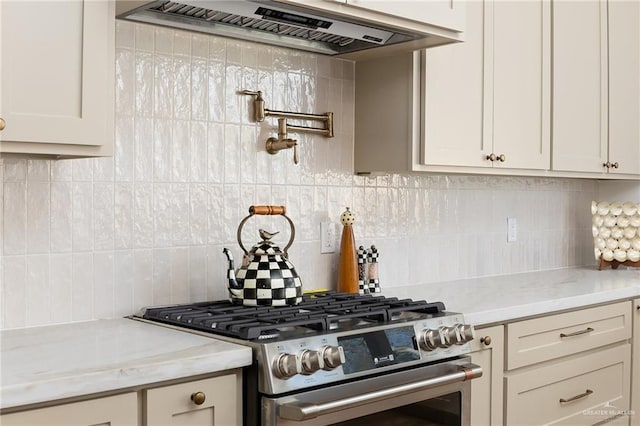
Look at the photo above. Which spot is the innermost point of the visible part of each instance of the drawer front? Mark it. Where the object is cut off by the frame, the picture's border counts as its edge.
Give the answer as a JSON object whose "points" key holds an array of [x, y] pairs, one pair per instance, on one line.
{"points": [[554, 336], [580, 391]]}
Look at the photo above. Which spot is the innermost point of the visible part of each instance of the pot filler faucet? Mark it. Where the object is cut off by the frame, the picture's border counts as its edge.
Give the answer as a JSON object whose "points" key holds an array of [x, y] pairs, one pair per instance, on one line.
{"points": [[274, 145]]}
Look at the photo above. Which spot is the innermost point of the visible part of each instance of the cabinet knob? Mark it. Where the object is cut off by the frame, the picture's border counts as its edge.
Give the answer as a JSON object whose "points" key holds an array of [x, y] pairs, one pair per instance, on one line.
{"points": [[608, 165], [502, 158], [3, 124], [198, 398], [491, 157], [486, 340], [615, 165]]}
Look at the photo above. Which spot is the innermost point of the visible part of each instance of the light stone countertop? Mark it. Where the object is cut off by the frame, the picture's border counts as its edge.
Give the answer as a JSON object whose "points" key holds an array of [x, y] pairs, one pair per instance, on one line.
{"points": [[505, 298], [60, 361]]}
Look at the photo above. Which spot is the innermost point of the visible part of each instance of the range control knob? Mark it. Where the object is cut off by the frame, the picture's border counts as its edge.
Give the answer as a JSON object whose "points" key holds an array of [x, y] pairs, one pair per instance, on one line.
{"points": [[433, 338], [467, 333], [286, 365], [311, 361], [453, 335], [333, 356]]}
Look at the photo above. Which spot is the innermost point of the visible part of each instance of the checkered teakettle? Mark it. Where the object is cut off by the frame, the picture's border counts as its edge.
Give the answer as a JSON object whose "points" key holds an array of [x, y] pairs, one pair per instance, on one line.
{"points": [[266, 277]]}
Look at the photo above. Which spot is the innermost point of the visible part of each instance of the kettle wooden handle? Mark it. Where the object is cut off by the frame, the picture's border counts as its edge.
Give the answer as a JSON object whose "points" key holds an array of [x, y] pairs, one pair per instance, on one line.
{"points": [[267, 210]]}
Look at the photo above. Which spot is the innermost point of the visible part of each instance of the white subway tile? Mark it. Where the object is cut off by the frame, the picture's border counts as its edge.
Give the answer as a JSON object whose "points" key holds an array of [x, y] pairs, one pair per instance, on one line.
{"points": [[197, 273], [232, 160], [215, 153], [162, 223], [38, 170], [38, 217], [143, 150], [199, 46], [217, 48], [143, 215], [216, 91], [103, 285], [163, 39], [82, 287], [162, 276], [199, 92], [217, 285], [14, 291], [198, 213], [182, 88], [60, 287], [62, 170], [198, 152], [215, 214], [162, 150], [144, 37], [82, 226], [125, 81], [61, 216], [123, 215], [179, 206], [163, 86], [123, 284], [142, 279], [104, 216], [182, 43], [82, 170], [15, 169], [144, 84], [123, 156], [180, 275], [103, 169], [15, 217], [180, 154], [125, 34], [37, 291], [249, 152]]}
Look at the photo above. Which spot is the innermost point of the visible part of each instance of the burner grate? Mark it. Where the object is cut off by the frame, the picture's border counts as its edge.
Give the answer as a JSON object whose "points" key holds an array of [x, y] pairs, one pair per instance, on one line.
{"points": [[318, 312]]}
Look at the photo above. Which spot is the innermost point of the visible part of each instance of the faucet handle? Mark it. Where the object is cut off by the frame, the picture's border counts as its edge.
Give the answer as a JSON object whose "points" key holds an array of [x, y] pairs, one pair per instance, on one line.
{"points": [[295, 152]]}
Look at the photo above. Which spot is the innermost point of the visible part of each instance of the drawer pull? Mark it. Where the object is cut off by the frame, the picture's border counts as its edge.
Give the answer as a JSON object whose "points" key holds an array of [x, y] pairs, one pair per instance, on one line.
{"points": [[577, 333], [573, 398], [198, 398]]}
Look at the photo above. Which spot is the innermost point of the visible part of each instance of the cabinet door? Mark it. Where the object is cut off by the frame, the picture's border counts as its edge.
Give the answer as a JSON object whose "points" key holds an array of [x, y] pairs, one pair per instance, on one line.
{"points": [[178, 405], [443, 13], [57, 76], [624, 86], [119, 410], [486, 391], [579, 86], [453, 99], [519, 39]]}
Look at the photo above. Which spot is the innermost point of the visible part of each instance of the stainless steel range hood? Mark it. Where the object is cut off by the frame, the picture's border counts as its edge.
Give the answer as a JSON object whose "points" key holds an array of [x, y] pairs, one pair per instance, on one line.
{"points": [[333, 30]]}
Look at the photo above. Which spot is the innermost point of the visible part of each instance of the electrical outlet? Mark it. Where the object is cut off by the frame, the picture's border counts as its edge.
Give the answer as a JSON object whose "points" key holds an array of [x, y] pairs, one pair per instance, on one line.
{"points": [[512, 229], [327, 237]]}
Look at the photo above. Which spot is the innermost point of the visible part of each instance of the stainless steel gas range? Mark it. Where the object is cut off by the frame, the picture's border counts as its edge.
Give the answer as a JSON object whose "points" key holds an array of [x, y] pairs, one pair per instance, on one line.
{"points": [[343, 359]]}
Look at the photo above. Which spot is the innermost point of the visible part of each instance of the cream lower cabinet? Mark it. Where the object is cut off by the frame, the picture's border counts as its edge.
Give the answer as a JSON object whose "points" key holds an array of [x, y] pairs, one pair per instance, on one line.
{"points": [[213, 401], [487, 351], [57, 79], [572, 368], [119, 410]]}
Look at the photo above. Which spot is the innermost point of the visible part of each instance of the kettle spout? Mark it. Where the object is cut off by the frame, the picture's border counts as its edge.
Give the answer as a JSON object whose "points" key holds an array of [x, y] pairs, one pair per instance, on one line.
{"points": [[231, 273]]}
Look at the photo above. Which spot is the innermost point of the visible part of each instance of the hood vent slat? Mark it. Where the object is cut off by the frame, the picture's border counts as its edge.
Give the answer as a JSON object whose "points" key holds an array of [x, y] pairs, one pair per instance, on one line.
{"points": [[214, 16]]}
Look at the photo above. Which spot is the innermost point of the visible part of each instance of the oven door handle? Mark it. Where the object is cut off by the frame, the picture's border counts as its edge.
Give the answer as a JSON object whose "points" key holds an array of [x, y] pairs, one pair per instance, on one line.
{"points": [[303, 411]]}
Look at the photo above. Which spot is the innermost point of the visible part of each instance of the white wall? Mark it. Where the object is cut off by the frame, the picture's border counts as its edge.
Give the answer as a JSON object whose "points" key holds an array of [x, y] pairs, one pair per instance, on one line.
{"points": [[100, 238]]}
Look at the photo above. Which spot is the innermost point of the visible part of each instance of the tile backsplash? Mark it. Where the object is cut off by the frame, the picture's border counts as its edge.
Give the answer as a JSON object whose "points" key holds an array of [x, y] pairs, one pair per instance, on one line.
{"points": [[100, 238]]}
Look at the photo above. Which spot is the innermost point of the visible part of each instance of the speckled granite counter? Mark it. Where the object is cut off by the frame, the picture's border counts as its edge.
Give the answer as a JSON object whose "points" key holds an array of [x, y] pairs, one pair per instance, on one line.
{"points": [[59, 361], [505, 298]]}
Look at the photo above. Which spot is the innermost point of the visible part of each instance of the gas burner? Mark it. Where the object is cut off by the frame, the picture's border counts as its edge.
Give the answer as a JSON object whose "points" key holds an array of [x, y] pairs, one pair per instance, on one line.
{"points": [[318, 312]]}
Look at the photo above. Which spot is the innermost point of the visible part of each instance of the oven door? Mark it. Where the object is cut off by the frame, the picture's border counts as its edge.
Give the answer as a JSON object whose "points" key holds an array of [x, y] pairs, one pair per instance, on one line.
{"points": [[437, 394]]}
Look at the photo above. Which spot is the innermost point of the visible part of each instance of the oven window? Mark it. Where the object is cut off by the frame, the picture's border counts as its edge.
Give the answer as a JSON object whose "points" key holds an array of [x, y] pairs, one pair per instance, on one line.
{"points": [[440, 411]]}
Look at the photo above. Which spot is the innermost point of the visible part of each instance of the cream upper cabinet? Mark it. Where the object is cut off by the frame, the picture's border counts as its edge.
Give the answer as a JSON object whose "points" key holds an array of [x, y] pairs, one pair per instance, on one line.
{"points": [[487, 104], [596, 95], [487, 351], [57, 77], [119, 410], [624, 86], [443, 13], [478, 106]]}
